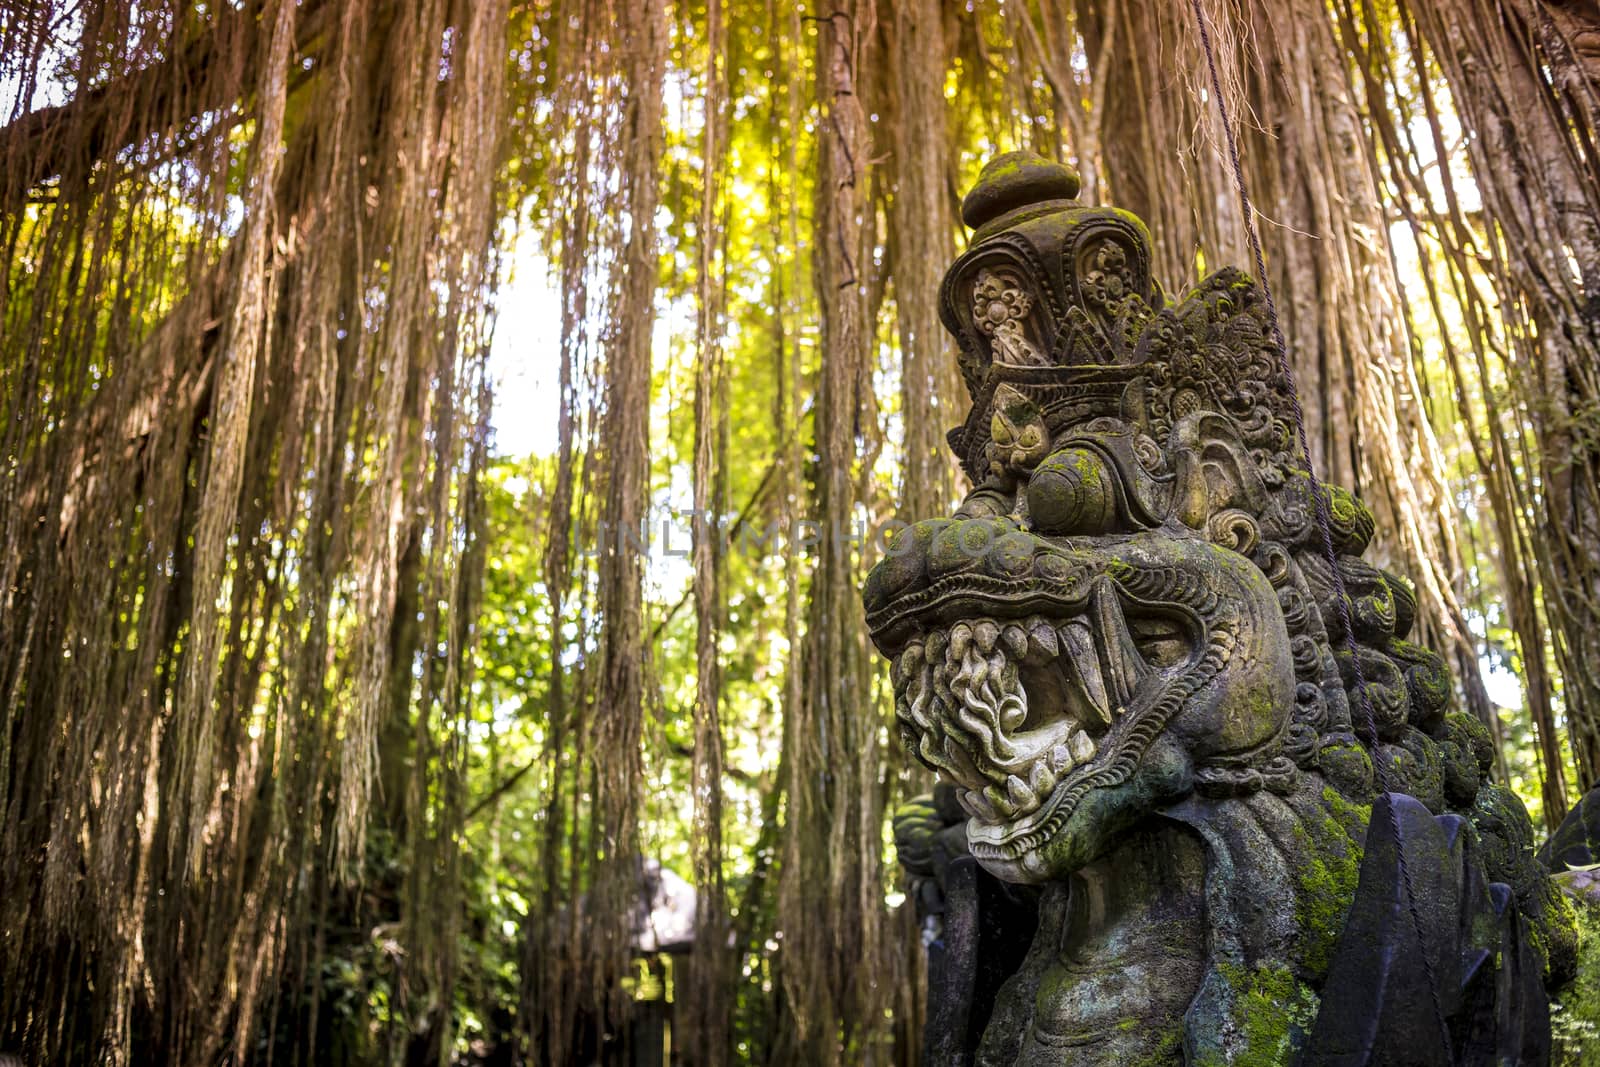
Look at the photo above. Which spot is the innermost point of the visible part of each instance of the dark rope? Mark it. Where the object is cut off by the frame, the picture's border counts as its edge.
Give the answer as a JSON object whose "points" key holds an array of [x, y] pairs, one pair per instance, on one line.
{"points": [[1319, 502]]}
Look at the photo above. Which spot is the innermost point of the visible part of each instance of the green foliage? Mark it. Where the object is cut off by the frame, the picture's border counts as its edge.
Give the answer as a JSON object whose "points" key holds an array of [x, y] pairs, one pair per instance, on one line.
{"points": [[1575, 1011]]}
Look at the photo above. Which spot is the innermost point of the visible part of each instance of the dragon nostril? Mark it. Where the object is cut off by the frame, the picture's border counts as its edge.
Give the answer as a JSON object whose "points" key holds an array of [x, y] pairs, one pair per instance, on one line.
{"points": [[963, 545], [1011, 556], [904, 563]]}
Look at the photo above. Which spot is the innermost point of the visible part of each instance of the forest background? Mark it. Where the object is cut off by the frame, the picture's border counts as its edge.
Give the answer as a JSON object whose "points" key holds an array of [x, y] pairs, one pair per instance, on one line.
{"points": [[331, 731]]}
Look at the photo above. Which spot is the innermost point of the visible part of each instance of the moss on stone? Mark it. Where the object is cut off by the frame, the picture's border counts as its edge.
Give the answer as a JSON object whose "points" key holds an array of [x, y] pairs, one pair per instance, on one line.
{"points": [[1559, 934], [1326, 880], [1353, 816], [1575, 1011], [1167, 1052], [1271, 1008]]}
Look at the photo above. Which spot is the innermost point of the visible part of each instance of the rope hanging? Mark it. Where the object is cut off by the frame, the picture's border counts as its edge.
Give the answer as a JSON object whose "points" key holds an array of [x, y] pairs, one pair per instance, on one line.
{"points": [[1319, 495]]}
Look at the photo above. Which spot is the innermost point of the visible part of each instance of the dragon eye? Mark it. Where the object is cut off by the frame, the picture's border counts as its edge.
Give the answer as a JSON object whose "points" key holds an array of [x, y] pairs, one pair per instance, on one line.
{"points": [[1073, 492], [1163, 641]]}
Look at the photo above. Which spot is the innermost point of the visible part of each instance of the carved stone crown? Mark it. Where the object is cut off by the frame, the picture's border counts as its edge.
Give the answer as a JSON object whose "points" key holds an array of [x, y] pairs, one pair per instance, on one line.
{"points": [[1056, 300]]}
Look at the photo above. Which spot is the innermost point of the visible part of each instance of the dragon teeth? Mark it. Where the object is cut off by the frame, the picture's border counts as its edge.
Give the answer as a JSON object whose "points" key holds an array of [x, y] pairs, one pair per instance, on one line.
{"points": [[1082, 747], [999, 801], [1016, 641], [996, 804], [1042, 643], [1124, 666], [960, 641], [978, 805], [986, 633], [1085, 663], [944, 727]]}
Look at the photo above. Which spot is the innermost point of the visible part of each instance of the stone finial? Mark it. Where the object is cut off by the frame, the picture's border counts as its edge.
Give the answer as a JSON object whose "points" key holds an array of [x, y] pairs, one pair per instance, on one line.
{"points": [[1017, 180]]}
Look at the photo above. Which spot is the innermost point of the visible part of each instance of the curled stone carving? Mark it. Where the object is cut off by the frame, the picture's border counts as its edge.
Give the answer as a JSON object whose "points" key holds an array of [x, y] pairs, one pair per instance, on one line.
{"points": [[999, 309], [1169, 829], [1109, 278]]}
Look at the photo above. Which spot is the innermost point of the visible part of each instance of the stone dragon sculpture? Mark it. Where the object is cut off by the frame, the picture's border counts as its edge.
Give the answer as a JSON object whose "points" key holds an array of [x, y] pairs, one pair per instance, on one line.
{"points": [[1168, 829]]}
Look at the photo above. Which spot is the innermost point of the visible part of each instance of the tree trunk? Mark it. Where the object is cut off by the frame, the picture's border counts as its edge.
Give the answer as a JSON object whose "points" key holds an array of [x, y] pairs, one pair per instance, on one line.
{"points": [[1530, 144], [625, 437], [709, 982], [922, 227], [831, 910]]}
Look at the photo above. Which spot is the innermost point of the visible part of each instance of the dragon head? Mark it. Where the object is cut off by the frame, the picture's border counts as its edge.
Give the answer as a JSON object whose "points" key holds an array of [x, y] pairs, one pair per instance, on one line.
{"points": [[1079, 648], [1097, 630]]}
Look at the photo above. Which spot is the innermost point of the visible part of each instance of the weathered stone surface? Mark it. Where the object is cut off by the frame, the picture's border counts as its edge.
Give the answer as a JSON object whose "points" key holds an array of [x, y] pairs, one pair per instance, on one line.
{"points": [[1576, 842], [1121, 655], [1454, 940]]}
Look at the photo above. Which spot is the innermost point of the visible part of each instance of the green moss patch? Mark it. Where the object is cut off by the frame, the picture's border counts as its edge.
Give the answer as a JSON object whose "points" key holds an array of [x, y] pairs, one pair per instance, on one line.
{"points": [[1575, 1011]]}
